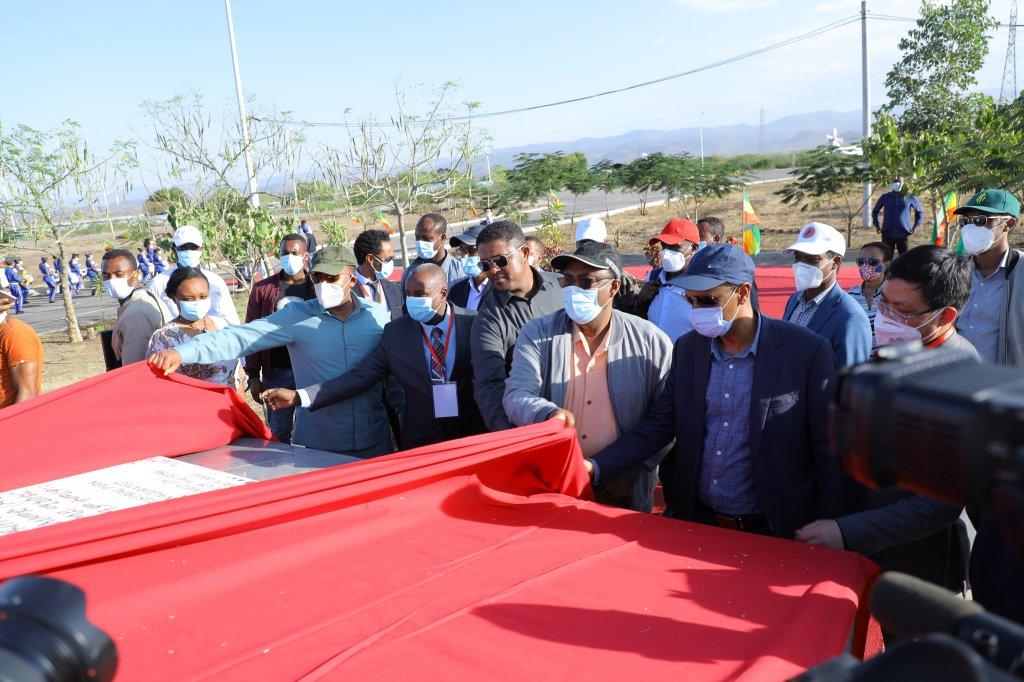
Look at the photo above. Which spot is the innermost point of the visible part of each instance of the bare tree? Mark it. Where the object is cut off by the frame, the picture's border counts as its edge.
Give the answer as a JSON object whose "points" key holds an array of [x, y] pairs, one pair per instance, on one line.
{"points": [[50, 178], [412, 160], [204, 151]]}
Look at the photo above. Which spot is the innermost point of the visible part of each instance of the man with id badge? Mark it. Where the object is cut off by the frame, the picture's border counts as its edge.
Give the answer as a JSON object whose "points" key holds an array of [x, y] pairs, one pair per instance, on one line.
{"points": [[427, 351]]}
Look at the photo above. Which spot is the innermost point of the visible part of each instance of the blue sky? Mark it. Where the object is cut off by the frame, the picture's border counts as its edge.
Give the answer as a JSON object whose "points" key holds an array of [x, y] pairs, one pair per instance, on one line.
{"points": [[96, 62]]}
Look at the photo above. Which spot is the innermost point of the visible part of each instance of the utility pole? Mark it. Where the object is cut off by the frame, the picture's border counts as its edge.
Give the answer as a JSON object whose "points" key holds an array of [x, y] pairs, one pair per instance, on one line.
{"points": [[254, 197], [866, 209], [701, 119], [1008, 91]]}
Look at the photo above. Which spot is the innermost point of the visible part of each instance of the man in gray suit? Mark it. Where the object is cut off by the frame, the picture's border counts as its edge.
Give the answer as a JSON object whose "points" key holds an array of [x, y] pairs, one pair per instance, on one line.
{"points": [[437, 380]]}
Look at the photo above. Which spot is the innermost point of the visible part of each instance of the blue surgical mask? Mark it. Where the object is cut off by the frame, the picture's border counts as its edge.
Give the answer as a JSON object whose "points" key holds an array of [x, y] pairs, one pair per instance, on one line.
{"points": [[471, 264], [581, 305], [701, 245], [711, 322], [425, 249], [292, 264], [421, 308], [194, 310], [190, 259]]}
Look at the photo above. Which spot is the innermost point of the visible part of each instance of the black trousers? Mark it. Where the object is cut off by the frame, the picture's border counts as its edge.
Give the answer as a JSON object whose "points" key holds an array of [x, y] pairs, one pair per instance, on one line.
{"points": [[897, 245]]}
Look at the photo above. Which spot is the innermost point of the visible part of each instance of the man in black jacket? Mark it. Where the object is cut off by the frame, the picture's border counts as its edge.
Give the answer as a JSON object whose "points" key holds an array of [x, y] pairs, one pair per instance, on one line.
{"points": [[468, 291], [375, 257], [429, 357]]}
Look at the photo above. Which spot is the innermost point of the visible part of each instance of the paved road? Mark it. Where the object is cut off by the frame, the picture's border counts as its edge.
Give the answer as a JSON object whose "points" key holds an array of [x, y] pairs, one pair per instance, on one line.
{"points": [[49, 317]]}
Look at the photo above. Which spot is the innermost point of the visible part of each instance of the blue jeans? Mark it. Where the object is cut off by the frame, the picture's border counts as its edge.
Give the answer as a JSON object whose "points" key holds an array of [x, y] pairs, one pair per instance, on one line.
{"points": [[280, 421]]}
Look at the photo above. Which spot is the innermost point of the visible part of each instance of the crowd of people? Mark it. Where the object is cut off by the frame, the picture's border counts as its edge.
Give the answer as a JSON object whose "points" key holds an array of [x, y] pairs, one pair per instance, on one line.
{"points": [[679, 376]]}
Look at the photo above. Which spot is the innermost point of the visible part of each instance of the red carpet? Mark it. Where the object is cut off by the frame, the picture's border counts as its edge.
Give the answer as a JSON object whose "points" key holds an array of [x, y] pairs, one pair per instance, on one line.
{"points": [[774, 284], [478, 559]]}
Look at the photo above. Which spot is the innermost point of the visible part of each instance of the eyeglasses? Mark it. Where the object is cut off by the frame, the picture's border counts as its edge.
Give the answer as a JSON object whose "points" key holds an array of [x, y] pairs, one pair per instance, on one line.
{"points": [[496, 262], [873, 262], [321, 277], [583, 282], [886, 309], [708, 301], [980, 220]]}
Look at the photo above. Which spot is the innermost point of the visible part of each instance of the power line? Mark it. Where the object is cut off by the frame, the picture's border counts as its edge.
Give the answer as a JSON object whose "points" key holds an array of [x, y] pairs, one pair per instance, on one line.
{"points": [[839, 23]]}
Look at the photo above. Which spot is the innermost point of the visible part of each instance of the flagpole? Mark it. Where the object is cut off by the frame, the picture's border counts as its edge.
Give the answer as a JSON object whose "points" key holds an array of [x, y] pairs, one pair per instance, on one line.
{"points": [[254, 197], [866, 208]]}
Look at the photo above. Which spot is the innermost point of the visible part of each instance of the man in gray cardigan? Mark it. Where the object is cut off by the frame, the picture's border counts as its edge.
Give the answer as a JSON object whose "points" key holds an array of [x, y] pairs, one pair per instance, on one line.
{"points": [[592, 366], [139, 313]]}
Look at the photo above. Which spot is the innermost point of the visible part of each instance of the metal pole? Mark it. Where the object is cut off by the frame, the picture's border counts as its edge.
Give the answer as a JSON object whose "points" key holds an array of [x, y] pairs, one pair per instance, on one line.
{"points": [[254, 197], [701, 118], [866, 209], [488, 167]]}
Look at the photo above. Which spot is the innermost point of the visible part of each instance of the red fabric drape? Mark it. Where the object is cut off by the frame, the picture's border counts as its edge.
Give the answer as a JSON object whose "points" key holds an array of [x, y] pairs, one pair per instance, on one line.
{"points": [[475, 559]]}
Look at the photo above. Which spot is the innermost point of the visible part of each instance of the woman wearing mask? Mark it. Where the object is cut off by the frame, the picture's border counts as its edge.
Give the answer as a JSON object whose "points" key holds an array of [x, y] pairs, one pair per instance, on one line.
{"points": [[873, 262], [190, 291]]}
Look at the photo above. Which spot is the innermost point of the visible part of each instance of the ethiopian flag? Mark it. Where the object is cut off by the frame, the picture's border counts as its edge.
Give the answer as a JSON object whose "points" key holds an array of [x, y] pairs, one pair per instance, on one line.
{"points": [[384, 222], [357, 219], [751, 228], [940, 233]]}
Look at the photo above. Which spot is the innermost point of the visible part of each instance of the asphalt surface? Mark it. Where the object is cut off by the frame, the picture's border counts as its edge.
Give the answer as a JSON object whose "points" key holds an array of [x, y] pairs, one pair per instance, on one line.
{"points": [[48, 317]]}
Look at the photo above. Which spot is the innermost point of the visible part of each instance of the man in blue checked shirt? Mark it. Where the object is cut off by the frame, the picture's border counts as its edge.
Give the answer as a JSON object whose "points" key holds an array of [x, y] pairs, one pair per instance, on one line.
{"points": [[895, 207], [325, 337]]}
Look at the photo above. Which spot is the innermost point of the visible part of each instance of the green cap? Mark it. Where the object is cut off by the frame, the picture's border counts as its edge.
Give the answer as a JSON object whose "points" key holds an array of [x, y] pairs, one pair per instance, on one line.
{"points": [[331, 260], [997, 201]]}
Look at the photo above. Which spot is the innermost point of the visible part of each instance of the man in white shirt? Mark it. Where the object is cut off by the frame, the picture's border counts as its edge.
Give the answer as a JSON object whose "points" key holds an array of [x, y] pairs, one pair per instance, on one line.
{"points": [[188, 249]]}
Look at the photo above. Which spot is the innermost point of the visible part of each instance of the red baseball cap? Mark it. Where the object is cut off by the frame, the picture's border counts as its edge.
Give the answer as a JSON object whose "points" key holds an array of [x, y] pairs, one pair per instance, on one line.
{"points": [[676, 231]]}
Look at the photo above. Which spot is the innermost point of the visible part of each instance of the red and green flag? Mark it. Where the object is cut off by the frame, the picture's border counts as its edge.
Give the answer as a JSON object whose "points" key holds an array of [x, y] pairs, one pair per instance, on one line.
{"points": [[384, 222], [751, 228], [940, 232]]}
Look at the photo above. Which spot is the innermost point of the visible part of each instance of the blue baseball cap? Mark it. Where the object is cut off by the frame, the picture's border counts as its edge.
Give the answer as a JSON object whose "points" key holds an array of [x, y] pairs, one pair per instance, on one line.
{"points": [[716, 264], [467, 238]]}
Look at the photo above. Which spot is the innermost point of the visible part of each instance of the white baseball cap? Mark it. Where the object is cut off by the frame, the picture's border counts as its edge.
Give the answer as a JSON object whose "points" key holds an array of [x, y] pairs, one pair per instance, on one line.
{"points": [[817, 238], [187, 234], [591, 228]]}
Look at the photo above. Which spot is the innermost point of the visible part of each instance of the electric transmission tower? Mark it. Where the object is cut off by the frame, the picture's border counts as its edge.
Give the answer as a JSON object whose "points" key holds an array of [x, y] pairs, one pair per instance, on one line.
{"points": [[1008, 92]]}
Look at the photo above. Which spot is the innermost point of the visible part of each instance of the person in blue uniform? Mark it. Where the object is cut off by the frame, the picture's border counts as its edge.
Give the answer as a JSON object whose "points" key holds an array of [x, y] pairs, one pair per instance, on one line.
{"points": [[47, 271], [16, 283], [76, 278], [90, 272]]}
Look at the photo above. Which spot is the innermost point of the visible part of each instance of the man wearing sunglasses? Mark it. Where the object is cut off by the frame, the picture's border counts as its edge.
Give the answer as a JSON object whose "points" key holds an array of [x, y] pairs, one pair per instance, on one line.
{"points": [[993, 318], [467, 292], [747, 401], [594, 367], [517, 294], [819, 303], [431, 240]]}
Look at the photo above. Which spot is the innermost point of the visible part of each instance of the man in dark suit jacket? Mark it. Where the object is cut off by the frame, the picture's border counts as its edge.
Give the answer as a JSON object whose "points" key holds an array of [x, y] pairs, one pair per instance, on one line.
{"points": [[375, 256], [468, 291], [747, 402], [819, 303], [430, 372]]}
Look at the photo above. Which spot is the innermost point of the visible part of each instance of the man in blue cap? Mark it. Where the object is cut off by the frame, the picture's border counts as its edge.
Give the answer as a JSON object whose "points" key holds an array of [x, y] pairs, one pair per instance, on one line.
{"points": [[747, 402], [467, 292]]}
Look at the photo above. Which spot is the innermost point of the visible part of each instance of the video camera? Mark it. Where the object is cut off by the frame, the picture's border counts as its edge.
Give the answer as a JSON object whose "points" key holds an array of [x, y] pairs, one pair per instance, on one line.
{"points": [[940, 424]]}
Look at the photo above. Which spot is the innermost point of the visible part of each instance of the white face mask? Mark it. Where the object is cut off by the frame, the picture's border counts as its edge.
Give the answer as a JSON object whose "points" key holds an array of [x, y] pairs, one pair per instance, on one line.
{"points": [[386, 268], [978, 239], [889, 332], [807, 276], [425, 250], [292, 264], [711, 322], [330, 294], [672, 261], [118, 288], [897, 186]]}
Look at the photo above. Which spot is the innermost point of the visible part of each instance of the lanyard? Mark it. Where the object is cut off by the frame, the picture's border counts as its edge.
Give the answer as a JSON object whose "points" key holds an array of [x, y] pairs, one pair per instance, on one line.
{"points": [[447, 340]]}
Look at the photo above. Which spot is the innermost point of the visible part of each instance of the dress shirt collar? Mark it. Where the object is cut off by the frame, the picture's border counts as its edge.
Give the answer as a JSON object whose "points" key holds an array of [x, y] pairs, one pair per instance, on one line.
{"points": [[719, 352], [365, 282], [820, 297]]}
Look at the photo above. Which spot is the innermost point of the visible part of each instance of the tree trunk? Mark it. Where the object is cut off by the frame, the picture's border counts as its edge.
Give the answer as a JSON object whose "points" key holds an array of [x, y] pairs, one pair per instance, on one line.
{"points": [[401, 236], [74, 333], [607, 215]]}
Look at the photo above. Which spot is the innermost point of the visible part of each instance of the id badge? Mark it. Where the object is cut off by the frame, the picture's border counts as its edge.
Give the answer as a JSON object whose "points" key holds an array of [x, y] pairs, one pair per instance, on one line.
{"points": [[446, 400]]}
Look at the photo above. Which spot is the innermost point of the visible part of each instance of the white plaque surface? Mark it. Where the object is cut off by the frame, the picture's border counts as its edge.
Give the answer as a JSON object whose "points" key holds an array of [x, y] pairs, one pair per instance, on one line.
{"points": [[96, 492]]}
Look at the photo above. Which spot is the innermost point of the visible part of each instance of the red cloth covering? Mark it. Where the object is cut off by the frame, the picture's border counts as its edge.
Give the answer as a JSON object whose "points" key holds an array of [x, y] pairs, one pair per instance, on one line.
{"points": [[477, 559], [774, 284]]}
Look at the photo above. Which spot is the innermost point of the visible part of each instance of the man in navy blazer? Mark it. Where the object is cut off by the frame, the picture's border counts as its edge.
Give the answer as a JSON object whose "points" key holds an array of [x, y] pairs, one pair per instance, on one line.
{"points": [[747, 402], [819, 303], [405, 353], [375, 258]]}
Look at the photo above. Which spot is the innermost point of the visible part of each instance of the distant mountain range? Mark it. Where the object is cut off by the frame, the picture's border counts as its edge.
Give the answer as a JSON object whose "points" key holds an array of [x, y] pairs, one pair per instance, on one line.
{"points": [[792, 133]]}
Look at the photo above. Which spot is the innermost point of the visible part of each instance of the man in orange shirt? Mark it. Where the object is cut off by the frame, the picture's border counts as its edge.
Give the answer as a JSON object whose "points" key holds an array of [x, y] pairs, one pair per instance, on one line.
{"points": [[21, 358]]}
